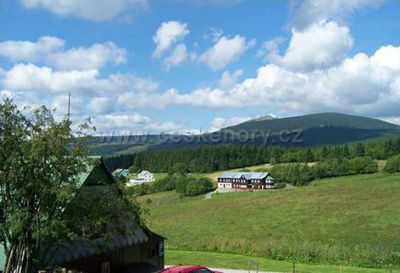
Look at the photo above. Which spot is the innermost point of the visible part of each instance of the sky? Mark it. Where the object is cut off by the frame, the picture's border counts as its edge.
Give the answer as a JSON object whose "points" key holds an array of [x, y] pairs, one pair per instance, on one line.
{"points": [[190, 66]]}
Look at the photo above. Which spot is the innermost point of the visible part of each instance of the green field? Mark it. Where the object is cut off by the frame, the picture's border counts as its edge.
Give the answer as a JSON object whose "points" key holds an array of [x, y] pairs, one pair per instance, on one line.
{"points": [[352, 220], [234, 261]]}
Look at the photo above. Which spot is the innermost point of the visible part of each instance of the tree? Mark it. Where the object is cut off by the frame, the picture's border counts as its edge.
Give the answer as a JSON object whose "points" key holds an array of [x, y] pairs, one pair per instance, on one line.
{"points": [[180, 168], [393, 165], [359, 149], [133, 169], [40, 162]]}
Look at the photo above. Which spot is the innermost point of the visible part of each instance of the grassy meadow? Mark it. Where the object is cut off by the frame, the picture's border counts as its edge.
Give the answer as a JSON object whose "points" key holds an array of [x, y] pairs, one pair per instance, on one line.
{"points": [[353, 220], [235, 261]]}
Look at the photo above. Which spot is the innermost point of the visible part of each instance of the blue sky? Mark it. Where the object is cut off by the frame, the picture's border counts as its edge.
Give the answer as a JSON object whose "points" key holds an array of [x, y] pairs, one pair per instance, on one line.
{"points": [[175, 65]]}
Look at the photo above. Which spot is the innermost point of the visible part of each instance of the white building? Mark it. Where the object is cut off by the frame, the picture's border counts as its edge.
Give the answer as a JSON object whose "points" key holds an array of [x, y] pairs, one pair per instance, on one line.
{"points": [[143, 177]]}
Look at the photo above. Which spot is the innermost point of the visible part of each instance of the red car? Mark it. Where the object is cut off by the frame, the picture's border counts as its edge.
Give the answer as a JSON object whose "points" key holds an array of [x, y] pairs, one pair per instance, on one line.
{"points": [[188, 269]]}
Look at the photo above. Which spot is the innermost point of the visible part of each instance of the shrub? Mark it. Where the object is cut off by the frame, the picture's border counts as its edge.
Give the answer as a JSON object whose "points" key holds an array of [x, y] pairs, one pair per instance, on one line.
{"points": [[280, 185], [393, 165], [359, 165]]}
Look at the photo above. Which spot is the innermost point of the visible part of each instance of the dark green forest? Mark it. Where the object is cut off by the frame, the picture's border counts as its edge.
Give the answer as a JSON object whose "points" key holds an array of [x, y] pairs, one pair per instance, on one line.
{"points": [[209, 158]]}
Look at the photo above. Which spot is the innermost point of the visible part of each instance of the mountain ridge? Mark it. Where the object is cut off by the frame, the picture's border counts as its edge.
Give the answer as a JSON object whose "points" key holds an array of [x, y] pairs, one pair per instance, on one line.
{"points": [[317, 120]]}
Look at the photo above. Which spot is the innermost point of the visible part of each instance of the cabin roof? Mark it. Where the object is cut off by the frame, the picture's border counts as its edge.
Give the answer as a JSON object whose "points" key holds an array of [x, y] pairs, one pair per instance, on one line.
{"points": [[123, 232]]}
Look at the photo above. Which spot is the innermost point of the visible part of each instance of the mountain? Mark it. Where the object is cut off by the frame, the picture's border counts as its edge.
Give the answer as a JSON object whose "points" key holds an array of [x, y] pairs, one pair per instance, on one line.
{"points": [[307, 130], [321, 120]]}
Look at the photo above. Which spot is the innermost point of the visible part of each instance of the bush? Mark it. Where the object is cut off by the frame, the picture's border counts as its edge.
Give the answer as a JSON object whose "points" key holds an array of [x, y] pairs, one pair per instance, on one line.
{"points": [[183, 184], [198, 186], [361, 165], [280, 185], [165, 184], [302, 174], [393, 165]]}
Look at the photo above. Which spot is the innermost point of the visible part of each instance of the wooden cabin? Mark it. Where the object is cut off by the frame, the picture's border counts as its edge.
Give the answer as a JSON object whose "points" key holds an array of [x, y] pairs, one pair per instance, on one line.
{"points": [[127, 246]]}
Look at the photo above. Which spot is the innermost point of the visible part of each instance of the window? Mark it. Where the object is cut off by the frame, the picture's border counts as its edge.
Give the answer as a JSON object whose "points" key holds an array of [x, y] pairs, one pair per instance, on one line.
{"points": [[203, 270], [193, 271]]}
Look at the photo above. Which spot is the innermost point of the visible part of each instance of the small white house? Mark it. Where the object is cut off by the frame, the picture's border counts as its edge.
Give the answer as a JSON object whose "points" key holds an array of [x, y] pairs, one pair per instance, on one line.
{"points": [[142, 177], [146, 176]]}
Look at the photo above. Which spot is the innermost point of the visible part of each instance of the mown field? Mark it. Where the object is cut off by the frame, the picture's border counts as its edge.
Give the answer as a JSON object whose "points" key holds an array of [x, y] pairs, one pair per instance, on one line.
{"points": [[235, 261], [352, 220]]}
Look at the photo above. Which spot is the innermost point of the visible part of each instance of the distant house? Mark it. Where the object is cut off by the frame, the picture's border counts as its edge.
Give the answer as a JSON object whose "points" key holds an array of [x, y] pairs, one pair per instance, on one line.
{"points": [[246, 180], [143, 177], [121, 173], [127, 246]]}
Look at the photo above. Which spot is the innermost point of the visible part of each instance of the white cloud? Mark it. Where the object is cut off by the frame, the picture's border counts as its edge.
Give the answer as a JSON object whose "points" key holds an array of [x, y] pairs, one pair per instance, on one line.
{"points": [[50, 51], [387, 56], [133, 123], [270, 49], [229, 79], [320, 46], [225, 51], [167, 35], [30, 51], [361, 84], [177, 57], [94, 10], [219, 122], [100, 104], [93, 57], [395, 120], [307, 12], [84, 83]]}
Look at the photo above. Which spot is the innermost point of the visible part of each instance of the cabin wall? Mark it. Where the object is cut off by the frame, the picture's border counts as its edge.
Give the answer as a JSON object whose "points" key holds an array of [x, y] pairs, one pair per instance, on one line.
{"points": [[124, 258]]}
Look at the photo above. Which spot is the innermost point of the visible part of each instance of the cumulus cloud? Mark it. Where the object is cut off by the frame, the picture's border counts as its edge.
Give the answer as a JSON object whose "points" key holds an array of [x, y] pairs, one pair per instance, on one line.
{"points": [[93, 57], [361, 84], [177, 57], [229, 79], [50, 51], [167, 35], [86, 83], [225, 51], [100, 104], [307, 12], [93, 10], [133, 123], [219, 122], [320, 46], [30, 51]]}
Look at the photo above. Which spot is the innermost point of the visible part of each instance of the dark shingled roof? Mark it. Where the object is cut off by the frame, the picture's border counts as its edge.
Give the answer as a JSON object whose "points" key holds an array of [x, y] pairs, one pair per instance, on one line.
{"points": [[123, 232]]}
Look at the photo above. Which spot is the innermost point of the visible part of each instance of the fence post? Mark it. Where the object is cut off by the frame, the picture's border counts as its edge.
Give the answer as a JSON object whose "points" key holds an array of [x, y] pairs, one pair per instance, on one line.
{"points": [[294, 267], [249, 265]]}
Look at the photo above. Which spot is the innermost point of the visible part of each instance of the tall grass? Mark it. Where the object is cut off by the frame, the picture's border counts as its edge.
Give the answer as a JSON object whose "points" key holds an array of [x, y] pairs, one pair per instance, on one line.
{"points": [[352, 220]]}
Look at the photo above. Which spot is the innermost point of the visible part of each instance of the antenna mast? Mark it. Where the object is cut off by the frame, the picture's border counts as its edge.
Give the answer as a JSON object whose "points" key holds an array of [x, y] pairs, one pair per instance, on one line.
{"points": [[69, 105]]}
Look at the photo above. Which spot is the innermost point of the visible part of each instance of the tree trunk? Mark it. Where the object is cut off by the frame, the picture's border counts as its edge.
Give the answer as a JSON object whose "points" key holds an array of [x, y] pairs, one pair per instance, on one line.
{"points": [[19, 260]]}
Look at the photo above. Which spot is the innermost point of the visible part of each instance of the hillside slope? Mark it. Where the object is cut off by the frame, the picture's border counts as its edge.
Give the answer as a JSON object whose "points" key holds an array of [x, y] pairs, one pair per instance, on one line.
{"points": [[350, 220], [308, 130], [321, 120]]}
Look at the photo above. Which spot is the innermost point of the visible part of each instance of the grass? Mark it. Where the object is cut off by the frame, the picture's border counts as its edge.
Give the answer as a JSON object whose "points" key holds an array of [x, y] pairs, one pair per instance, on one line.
{"points": [[234, 261], [352, 220], [256, 168]]}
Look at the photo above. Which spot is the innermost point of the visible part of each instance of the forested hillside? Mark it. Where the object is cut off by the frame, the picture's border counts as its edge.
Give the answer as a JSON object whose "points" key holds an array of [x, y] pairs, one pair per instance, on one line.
{"points": [[301, 131], [221, 157], [320, 120]]}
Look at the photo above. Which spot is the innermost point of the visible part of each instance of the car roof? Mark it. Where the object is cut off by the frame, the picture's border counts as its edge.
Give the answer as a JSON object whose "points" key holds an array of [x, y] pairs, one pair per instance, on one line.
{"points": [[180, 268]]}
